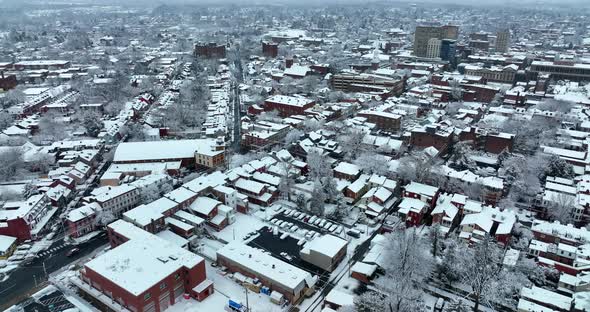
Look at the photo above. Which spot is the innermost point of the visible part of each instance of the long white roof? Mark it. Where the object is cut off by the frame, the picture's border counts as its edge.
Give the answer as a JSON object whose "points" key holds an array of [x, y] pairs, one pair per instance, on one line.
{"points": [[162, 150], [262, 264]]}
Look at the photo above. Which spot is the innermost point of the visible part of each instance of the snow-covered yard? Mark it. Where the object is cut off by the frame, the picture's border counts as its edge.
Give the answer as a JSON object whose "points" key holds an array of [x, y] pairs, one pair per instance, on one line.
{"points": [[225, 288], [243, 225]]}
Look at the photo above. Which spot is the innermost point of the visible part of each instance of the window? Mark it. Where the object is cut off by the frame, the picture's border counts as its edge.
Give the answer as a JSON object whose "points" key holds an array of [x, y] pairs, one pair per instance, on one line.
{"points": [[147, 296], [177, 276], [162, 286]]}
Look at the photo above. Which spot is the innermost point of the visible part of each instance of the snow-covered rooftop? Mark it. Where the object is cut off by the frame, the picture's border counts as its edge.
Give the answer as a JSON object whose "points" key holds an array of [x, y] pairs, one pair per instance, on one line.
{"points": [[139, 264], [265, 265]]}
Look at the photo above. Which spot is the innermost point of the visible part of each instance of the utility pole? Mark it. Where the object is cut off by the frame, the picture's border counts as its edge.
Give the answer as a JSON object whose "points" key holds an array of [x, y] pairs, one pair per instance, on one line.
{"points": [[45, 270], [247, 306], [35, 278]]}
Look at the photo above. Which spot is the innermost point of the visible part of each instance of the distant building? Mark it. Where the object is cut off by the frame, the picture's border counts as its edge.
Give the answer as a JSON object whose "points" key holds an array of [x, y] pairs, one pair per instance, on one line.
{"points": [[385, 85], [210, 50], [288, 105], [270, 49], [43, 64], [504, 74], [7, 82], [433, 48], [502, 41], [423, 34], [448, 50], [483, 45], [561, 70], [383, 120]]}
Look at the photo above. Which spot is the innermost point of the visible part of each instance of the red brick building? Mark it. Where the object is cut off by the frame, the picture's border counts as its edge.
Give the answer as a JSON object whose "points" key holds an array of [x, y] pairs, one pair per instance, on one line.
{"points": [[210, 50], [7, 82], [431, 135], [383, 120], [145, 273], [288, 105], [270, 49], [82, 220], [25, 220]]}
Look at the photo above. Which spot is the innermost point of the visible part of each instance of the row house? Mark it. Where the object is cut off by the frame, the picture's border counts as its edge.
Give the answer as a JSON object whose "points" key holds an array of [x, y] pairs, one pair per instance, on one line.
{"points": [[25, 220], [491, 222], [118, 199], [534, 298], [562, 257], [151, 217], [347, 171], [490, 141], [81, 221], [232, 198], [258, 193], [446, 213], [213, 211], [555, 233], [412, 211], [426, 193], [355, 190], [436, 136], [376, 201]]}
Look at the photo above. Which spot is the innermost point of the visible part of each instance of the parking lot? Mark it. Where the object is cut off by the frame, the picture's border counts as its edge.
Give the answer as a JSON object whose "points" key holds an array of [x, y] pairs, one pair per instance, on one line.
{"points": [[307, 222]]}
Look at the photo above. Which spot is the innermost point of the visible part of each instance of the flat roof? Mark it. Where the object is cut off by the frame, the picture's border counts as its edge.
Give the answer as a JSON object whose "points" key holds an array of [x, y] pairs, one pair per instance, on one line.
{"points": [[163, 150], [262, 264], [139, 264], [6, 242], [328, 245]]}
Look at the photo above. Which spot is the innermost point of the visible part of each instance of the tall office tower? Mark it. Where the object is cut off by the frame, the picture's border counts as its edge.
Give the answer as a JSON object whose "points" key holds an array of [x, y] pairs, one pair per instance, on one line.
{"points": [[502, 41], [423, 34], [448, 50], [450, 32], [433, 48]]}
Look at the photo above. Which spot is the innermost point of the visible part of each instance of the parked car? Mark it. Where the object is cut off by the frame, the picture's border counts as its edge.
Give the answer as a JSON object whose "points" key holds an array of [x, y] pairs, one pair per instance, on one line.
{"points": [[72, 252]]}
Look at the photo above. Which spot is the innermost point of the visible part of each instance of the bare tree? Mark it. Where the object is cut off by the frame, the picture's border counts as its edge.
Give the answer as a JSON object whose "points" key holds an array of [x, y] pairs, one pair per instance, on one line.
{"points": [[352, 143], [481, 269], [12, 162], [561, 208], [293, 136], [408, 265], [456, 90], [371, 162]]}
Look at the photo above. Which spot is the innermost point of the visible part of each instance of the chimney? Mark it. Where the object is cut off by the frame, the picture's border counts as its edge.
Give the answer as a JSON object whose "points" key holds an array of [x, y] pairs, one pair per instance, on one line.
{"points": [[374, 65], [289, 62]]}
